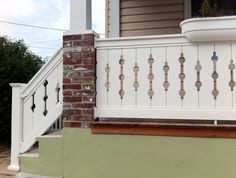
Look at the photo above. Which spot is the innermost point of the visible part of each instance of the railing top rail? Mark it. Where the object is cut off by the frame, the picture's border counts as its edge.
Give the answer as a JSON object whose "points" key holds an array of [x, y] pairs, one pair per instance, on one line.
{"points": [[172, 40], [141, 41], [40, 75]]}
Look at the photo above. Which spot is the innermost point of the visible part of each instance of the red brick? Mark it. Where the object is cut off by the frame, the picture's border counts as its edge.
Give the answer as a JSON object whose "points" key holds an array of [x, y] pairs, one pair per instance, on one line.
{"points": [[72, 99], [72, 61], [83, 92], [88, 112], [67, 93], [71, 86], [66, 80], [83, 105], [83, 80], [72, 37]]}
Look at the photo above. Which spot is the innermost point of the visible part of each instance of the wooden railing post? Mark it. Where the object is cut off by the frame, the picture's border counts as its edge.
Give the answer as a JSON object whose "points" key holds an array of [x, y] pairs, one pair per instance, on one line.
{"points": [[16, 125]]}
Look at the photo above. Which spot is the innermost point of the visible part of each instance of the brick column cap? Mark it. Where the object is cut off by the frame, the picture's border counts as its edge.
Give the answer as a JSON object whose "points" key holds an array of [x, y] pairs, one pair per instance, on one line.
{"points": [[81, 33]]}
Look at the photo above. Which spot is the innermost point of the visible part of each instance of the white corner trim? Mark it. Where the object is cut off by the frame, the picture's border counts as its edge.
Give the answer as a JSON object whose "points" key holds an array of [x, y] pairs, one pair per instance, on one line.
{"points": [[114, 18], [187, 9]]}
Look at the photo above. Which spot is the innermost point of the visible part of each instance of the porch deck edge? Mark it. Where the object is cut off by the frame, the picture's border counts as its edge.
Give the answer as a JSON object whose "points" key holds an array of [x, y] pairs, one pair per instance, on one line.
{"points": [[164, 129]]}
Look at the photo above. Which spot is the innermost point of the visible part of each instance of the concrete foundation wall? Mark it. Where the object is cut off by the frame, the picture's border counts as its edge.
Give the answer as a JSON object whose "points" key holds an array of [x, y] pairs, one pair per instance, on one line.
{"points": [[129, 156], [85, 155]]}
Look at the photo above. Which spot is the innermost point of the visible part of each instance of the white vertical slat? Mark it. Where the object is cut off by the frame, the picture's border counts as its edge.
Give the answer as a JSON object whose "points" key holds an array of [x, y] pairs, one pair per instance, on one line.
{"points": [[234, 60], [159, 97], [102, 94], [206, 99], [27, 125], [51, 91], [191, 96], [114, 98], [60, 80], [142, 59], [129, 97], [173, 99], [224, 98], [39, 102]]}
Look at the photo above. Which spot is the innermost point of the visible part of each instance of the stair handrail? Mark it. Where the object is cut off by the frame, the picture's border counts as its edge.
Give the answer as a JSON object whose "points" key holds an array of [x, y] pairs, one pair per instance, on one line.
{"points": [[40, 76]]}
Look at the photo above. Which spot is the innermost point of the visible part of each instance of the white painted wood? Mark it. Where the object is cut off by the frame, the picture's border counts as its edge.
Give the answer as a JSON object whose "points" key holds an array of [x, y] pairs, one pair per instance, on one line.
{"points": [[187, 9], [114, 18], [143, 112], [141, 41], [193, 102], [16, 135], [80, 15], [114, 97], [142, 95], [160, 94], [206, 100], [102, 60], [28, 124], [173, 99], [210, 29], [129, 98], [224, 99], [39, 77], [191, 97]]}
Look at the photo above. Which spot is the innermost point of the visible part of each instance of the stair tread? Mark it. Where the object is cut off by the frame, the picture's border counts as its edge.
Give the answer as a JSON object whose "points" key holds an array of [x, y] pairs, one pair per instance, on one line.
{"points": [[25, 175], [30, 155], [33, 152], [52, 135]]}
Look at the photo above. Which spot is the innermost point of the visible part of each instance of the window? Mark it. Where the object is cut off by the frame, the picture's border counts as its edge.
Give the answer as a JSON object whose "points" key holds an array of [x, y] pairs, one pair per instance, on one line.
{"points": [[228, 7]]}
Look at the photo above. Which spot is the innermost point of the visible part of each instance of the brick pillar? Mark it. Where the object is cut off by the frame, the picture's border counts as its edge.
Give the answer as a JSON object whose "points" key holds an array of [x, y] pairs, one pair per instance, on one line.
{"points": [[79, 79]]}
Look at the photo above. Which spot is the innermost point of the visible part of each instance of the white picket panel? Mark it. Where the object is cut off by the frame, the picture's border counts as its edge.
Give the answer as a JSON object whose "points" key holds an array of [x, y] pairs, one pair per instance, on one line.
{"points": [[162, 103]]}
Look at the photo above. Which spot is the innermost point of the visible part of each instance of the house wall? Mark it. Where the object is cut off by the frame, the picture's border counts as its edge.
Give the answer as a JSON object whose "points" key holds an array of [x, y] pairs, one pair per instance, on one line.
{"points": [[149, 17]]}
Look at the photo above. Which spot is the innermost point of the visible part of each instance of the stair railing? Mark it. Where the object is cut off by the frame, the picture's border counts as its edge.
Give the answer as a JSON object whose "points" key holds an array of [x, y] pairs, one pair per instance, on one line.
{"points": [[35, 106]]}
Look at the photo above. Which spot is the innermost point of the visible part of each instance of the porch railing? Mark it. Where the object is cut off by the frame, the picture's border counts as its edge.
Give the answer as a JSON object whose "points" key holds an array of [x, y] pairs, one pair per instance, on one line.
{"points": [[165, 77], [36, 106]]}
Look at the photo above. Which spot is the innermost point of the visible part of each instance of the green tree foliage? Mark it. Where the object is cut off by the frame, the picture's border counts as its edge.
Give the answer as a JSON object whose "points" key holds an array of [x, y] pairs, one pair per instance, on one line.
{"points": [[208, 11], [17, 65]]}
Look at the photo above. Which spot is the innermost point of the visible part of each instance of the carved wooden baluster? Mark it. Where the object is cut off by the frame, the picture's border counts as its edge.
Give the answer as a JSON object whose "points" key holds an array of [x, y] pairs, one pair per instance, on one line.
{"points": [[58, 92], [33, 104], [107, 70], [231, 68], [150, 76], [136, 83], [198, 68], [45, 98], [182, 76], [214, 76], [121, 77], [232, 82], [166, 69]]}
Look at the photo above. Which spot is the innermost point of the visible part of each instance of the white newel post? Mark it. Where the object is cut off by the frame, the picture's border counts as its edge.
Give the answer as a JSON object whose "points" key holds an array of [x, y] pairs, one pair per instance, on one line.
{"points": [[80, 15], [16, 125]]}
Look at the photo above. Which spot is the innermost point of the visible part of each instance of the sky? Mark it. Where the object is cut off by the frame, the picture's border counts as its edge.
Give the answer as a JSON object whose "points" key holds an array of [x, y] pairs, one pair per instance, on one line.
{"points": [[46, 13]]}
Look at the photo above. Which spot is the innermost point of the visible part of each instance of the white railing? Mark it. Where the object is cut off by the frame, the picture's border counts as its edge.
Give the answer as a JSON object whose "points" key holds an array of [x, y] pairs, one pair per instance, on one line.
{"points": [[36, 106], [146, 77]]}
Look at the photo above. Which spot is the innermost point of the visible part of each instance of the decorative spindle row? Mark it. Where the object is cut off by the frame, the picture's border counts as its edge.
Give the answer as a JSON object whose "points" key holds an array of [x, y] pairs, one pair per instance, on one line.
{"points": [[166, 68], [45, 98]]}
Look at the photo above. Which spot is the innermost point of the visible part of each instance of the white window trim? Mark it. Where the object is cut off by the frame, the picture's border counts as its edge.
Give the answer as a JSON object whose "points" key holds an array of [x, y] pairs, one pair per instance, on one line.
{"points": [[187, 9], [115, 18]]}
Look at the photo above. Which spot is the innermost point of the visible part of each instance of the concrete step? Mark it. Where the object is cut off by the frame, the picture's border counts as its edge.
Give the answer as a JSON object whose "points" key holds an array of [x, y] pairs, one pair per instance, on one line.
{"points": [[46, 160], [25, 175]]}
